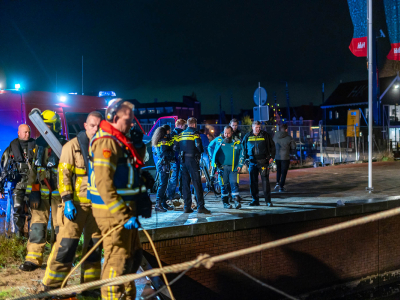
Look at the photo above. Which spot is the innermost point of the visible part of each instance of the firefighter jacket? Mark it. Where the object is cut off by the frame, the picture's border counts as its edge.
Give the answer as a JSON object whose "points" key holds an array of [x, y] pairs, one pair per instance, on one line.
{"points": [[237, 135], [257, 147], [215, 145], [164, 149], [189, 142], [41, 172], [114, 178], [72, 173]]}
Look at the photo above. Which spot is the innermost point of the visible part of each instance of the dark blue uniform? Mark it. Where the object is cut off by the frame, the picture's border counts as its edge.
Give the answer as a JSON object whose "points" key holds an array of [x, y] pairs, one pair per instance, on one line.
{"points": [[165, 154], [259, 150], [190, 147], [175, 169]]}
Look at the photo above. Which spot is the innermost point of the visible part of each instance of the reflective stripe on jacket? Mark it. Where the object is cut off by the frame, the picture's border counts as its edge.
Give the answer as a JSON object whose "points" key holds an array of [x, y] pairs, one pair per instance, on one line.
{"points": [[72, 173], [216, 144]]}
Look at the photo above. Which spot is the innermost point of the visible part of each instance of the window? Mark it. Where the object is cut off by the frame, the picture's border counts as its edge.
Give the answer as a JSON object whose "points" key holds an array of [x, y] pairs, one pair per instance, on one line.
{"points": [[336, 115], [330, 115], [298, 134], [192, 109], [160, 110], [152, 121], [366, 111], [142, 111], [151, 111], [143, 121], [169, 110]]}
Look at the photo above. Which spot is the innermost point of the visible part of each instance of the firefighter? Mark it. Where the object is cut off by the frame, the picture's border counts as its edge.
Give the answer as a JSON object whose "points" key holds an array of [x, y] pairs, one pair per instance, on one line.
{"points": [[163, 144], [75, 214], [189, 145], [176, 175], [43, 193], [19, 155], [225, 154], [259, 149], [116, 190]]}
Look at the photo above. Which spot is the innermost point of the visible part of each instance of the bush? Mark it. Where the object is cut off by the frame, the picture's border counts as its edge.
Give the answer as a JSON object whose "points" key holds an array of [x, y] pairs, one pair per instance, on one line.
{"points": [[12, 250]]}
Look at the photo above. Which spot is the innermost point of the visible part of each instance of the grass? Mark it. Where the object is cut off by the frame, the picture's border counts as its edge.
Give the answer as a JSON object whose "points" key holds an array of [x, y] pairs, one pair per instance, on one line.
{"points": [[7, 294], [12, 250]]}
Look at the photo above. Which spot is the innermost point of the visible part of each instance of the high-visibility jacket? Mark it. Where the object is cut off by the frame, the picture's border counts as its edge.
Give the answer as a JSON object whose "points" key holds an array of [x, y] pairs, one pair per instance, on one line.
{"points": [[113, 178], [72, 173], [164, 149], [259, 146], [215, 145], [189, 141]]}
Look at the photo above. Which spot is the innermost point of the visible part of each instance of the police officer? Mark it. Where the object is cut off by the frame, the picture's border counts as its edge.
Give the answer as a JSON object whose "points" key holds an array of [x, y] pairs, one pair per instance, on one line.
{"points": [[42, 187], [225, 154], [163, 145], [115, 189], [176, 175], [237, 134], [190, 148], [20, 155], [76, 211], [259, 148]]}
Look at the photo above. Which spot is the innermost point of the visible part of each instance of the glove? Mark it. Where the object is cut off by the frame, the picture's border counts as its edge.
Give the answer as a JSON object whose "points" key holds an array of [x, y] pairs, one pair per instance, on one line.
{"points": [[132, 223], [34, 199], [69, 210]]}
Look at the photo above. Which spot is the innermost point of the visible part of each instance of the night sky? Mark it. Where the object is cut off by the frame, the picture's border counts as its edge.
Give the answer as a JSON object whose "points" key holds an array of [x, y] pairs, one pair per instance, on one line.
{"points": [[165, 49]]}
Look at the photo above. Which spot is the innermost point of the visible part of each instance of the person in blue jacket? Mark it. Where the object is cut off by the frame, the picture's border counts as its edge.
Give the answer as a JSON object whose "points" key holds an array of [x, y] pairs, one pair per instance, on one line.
{"points": [[225, 156]]}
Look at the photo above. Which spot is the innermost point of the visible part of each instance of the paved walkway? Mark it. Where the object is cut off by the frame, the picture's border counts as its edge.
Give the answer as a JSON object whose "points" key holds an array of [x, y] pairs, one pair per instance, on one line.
{"points": [[308, 190]]}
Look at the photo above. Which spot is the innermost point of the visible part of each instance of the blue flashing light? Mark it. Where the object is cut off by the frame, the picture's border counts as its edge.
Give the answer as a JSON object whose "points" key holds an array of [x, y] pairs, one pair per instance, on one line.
{"points": [[63, 98], [17, 86], [107, 94]]}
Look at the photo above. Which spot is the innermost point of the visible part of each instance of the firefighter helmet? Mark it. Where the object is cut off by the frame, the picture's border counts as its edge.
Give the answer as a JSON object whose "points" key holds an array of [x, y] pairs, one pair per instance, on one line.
{"points": [[51, 117]]}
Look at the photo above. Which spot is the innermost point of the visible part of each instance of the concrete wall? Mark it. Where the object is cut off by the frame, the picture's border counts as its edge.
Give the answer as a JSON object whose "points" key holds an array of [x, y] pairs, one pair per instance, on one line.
{"points": [[361, 253]]}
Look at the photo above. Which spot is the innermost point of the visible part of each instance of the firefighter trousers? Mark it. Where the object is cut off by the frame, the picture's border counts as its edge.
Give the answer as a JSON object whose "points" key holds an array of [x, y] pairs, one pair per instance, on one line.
{"points": [[122, 255], [63, 252], [39, 221]]}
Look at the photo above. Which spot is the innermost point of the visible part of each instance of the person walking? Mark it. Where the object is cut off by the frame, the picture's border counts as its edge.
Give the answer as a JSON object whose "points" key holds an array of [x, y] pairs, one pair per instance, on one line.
{"points": [[259, 149], [283, 143]]}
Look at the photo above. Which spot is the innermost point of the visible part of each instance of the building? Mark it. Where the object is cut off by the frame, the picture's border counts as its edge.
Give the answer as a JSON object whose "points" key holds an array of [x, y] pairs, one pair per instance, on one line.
{"points": [[148, 113], [354, 96]]}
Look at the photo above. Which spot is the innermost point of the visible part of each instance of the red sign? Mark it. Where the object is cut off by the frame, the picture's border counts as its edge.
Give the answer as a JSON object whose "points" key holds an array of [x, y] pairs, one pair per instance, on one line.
{"points": [[358, 46]]}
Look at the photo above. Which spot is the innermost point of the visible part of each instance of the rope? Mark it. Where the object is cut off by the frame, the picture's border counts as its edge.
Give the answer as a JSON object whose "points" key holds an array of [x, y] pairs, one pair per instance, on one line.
{"points": [[208, 262], [159, 263], [99, 242]]}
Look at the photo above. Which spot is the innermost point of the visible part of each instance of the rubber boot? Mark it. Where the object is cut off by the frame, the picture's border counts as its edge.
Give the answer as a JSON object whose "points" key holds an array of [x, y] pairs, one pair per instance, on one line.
{"points": [[159, 207], [255, 202], [28, 266], [225, 202], [165, 205], [237, 199]]}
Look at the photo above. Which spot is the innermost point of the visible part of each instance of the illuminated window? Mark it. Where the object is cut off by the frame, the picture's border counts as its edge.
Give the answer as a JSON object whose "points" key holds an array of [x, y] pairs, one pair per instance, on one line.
{"points": [[142, 111], [169, 110], [330, 115], [151, 111], [298, 134], [160, 110], [336, 115]]}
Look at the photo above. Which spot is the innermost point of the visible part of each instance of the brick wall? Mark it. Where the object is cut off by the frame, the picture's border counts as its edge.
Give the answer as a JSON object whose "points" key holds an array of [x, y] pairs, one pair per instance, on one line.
{"points": [[316, 263]]}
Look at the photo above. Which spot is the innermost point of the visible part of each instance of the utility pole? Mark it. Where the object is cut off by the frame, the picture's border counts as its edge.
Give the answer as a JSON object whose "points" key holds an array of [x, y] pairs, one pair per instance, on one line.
{"points": [[371, 71]]}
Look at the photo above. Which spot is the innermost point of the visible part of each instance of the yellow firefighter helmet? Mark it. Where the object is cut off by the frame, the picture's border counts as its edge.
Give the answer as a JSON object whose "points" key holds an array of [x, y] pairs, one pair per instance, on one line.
{"points": [[51, 117]]}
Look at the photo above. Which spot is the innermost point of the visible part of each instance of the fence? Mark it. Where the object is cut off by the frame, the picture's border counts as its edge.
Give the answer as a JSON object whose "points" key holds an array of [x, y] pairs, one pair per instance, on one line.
{"points": [[338, 142]]}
